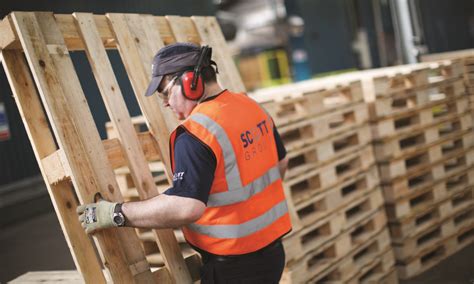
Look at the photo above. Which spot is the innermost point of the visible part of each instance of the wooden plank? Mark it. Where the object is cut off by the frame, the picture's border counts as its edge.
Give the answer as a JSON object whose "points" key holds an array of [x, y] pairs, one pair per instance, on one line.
{"points": [[183, 29], [120, 117], [72, 277], [76, 134], [115, 105], [62, 194], [56, 168], [138, 40], [115, 154], [447, 55], [211, 34], [8, 40]]}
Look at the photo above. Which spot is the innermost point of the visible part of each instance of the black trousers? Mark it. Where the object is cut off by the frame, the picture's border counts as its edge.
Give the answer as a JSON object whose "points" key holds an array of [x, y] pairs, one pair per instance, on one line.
{"points": [[262, 267]]}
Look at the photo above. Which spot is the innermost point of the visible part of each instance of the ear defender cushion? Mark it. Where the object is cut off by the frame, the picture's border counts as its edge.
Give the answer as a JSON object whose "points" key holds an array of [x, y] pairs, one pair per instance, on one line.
{"points": [[188, 92]]}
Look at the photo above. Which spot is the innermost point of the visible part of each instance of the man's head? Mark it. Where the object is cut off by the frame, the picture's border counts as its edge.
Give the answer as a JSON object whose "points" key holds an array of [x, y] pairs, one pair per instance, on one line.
{"points": [[177, 59]]}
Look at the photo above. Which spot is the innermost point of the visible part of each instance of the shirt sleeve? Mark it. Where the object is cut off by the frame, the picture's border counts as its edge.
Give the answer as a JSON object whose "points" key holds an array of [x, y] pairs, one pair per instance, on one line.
{"points": [[195, 165], [279, 144]]}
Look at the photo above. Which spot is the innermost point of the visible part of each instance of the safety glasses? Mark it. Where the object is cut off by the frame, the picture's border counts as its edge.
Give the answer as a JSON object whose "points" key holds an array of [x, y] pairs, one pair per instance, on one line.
{"points": [[164, 94]]}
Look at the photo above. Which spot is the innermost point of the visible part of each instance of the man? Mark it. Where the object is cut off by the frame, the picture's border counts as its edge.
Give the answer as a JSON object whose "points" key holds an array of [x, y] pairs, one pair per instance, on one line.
{"points": [[227, 160]]}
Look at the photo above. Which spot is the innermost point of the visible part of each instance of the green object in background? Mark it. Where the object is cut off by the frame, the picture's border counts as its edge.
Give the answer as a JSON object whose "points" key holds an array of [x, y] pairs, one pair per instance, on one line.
{"points": [[275, 68]]}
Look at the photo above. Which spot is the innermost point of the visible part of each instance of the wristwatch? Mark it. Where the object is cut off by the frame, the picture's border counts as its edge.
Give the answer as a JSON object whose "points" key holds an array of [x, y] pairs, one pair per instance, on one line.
{"points": [[117, 217]]}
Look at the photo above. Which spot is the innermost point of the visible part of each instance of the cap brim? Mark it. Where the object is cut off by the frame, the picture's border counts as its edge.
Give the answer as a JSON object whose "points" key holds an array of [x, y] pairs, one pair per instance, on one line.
{"points": [[153, 86]]}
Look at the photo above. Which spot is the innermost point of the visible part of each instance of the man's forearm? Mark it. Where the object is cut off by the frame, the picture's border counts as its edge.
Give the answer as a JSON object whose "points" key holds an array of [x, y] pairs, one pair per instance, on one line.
{"points": [[162, 211]]}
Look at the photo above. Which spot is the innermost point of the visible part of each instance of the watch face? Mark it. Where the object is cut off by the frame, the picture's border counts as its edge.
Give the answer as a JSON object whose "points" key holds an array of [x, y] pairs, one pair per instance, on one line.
{"points": [[118, 219]]}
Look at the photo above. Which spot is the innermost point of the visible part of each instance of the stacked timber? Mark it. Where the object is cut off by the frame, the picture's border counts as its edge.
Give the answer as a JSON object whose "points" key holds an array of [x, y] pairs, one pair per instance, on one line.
{"points": [[424, 146], [332, 186], [469, 79], [467, 58]]}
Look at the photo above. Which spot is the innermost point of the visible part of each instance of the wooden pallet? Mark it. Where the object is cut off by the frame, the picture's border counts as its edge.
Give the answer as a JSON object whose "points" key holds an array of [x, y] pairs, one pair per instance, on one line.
{"points": [[416, 98], [289, 103], [323, 152], [319, 205], [328, 255], [302, 185], [369, 263], [378, 272], [50, 277], [74, 162], [435, 254], [427, 176], [322, 127], [364, 212], [407, 142], [421, 117], [398, 80], [419, 221], [286, 108], [431, 194], [458, 221], [425, 155]]}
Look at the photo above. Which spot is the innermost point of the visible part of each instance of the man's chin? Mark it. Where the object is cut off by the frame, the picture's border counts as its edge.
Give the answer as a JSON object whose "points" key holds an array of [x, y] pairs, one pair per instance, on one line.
{"points": [[179, 116]]}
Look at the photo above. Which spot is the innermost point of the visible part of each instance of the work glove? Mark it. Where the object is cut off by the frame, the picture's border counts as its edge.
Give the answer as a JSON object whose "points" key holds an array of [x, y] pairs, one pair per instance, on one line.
{"points": [[96, 216]]}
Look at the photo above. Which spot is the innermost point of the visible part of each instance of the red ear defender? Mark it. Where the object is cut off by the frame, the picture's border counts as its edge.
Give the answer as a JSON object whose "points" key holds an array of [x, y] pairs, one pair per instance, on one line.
{"points": [[186, 86]]}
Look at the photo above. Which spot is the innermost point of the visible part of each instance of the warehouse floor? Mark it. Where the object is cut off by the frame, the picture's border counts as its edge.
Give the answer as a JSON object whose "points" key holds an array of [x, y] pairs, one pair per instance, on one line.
{"points": [[38, 244]]}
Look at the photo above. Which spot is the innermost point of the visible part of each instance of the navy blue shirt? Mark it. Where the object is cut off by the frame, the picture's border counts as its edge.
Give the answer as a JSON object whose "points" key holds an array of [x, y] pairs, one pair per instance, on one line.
{"points": [[195, 165]]}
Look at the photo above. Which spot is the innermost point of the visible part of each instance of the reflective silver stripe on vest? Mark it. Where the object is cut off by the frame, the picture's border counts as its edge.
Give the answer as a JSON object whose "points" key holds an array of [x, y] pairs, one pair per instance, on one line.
{"points": [[236, 192], [244, 229], [232, 173], [242, 194]]}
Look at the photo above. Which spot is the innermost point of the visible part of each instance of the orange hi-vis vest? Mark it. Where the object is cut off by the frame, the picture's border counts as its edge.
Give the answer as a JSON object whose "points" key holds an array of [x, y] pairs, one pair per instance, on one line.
{"points": [[246, 210]]}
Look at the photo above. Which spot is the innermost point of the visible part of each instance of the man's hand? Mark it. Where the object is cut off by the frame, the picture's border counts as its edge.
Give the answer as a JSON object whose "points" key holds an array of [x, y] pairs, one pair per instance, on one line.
{"points": [[96, 216]]}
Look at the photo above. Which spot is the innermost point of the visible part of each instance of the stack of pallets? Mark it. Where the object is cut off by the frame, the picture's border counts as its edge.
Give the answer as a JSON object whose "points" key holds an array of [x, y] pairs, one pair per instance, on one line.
{"points": [[332, 186], [469, 79], [423, 143], [467, 59]]}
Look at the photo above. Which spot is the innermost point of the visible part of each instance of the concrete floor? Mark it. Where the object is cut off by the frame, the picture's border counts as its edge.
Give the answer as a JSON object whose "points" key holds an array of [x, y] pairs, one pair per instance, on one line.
{"points": [[38, 244]]}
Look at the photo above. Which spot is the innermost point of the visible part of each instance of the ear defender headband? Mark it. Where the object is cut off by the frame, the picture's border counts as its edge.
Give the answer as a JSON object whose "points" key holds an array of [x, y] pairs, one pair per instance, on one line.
{"points": [[192, 84]]}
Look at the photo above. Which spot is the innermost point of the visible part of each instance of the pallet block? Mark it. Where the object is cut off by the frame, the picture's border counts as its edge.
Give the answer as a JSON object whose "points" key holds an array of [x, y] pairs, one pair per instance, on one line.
{"points": [[74, 162]]}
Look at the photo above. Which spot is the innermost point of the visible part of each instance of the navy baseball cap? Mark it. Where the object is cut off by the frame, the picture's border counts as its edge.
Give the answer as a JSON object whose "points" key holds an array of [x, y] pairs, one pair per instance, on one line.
{"points": [[174, 58]]}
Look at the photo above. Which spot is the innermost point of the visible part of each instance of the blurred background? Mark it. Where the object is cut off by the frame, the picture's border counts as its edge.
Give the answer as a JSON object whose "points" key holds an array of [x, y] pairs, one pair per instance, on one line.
{"points": [[272, 42]]}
